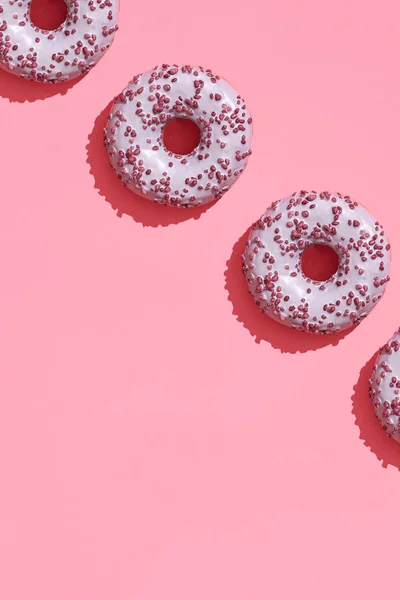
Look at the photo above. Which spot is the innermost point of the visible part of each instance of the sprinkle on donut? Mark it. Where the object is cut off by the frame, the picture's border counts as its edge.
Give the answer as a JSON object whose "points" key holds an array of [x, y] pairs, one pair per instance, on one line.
{"points": [[385, 387], [65, 53], [134, 135], [272, 262]]}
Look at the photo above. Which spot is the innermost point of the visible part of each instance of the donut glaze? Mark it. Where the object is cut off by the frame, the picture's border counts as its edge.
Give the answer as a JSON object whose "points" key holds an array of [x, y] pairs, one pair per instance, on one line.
{"points": [[134, 135], [385, 387], [65, 53], [272, 262]]}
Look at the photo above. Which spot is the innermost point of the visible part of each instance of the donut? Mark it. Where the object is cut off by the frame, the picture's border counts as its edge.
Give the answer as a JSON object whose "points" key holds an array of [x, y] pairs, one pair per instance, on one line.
{"points": [[273, 271], [385, 386], [65, 53], [134, 135]]}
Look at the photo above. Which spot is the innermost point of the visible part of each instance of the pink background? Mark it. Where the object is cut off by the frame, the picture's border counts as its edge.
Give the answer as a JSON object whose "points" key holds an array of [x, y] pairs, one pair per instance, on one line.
{"points": [[159, 438]]}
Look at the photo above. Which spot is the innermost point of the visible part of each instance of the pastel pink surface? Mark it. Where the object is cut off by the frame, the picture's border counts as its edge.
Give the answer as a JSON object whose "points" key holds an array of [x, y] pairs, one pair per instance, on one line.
{"points": [[152, 443]]}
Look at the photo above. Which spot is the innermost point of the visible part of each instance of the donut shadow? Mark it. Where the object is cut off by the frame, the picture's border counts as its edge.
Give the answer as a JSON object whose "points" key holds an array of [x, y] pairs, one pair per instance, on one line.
{"points": [[16, 89], [123, 200], [260, 326], [386, 450]]}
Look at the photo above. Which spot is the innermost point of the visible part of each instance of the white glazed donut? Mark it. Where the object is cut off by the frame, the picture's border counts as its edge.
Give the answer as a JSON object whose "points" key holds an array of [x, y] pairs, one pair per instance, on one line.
{"points": [[134, 135], [65, 53], [272, 262], [385, 386]]}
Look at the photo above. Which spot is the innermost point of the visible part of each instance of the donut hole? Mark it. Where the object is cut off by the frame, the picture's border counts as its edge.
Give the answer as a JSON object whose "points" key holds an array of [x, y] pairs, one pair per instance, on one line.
{"points": [[181, 136], [319, 262], [48, 14]]}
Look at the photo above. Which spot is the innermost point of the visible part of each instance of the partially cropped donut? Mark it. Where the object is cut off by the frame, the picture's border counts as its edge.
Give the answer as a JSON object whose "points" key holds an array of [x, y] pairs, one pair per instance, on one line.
{"points": [[385, 386], [272, 262], [65, 53], [134, 135]]}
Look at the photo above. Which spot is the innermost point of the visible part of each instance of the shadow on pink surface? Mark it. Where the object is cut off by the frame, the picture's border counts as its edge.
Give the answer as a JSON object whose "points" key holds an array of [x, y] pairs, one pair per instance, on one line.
{"points": [[123, 200], [260, 326], [48, 14], [15, 89], [372, 433]]}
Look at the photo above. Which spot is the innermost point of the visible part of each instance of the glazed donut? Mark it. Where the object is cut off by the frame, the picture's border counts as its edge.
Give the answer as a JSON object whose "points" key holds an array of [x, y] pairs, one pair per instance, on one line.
{"points": [[385, 386], [272, 262], [134, 135], [65, 53]]}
